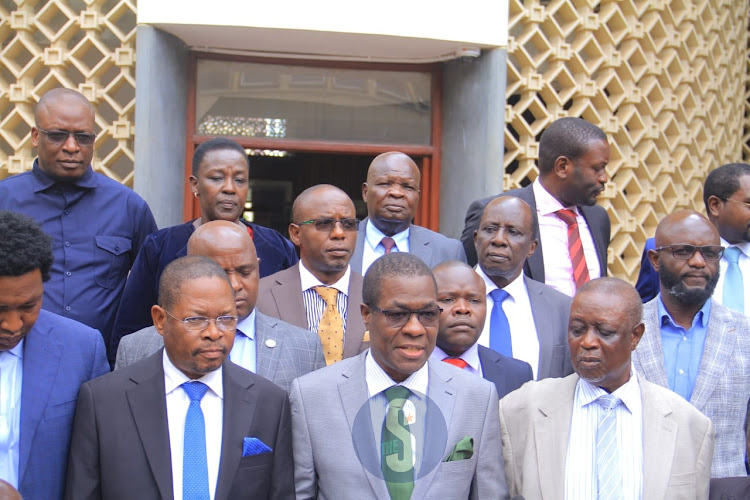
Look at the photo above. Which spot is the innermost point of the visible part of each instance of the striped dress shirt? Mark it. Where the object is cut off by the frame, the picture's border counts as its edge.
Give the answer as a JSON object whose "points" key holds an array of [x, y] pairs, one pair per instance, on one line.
{"points": [[580, 464], [314, 303]]}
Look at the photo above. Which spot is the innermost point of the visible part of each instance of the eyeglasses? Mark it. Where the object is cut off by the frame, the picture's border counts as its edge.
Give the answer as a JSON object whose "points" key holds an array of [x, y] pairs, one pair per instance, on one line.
{"points": [[396, 318], [60, 136], [686, 252], [736, 201], [326, 225], [200, 323]]}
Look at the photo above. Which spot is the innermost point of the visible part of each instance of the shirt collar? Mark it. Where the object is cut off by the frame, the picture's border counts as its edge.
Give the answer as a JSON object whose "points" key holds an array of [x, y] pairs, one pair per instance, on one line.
{"points": [[471, 356], [744, 246], [309, 280], [373, 235], [515, 288], [629, 392], [703, 314], [18, 350], [174, 378], [246, 326], [547, 204], [42, 181], [378, 380]]}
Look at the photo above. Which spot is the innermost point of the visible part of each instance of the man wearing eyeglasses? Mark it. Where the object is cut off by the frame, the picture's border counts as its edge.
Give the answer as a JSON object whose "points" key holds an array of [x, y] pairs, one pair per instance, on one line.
{"points": [[185, 422], [391, 423], [321, 293], [693, 345], [97, 224]]}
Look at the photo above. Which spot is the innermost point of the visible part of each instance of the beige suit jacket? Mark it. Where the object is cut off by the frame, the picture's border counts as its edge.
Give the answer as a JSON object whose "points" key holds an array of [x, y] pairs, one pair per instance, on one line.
{"points": [[678, 441]]}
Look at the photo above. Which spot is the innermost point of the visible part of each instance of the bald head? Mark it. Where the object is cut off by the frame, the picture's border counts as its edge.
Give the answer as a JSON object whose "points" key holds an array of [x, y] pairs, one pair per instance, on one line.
{"points": [[391, 192], [679, 227], [8, 492], [627, 297], [312, 201], [229, 245], [60, 97]]}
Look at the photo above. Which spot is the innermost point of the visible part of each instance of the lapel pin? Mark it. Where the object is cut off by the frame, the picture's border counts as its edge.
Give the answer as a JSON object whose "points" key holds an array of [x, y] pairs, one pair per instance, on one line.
{"points": [[270, 343]]}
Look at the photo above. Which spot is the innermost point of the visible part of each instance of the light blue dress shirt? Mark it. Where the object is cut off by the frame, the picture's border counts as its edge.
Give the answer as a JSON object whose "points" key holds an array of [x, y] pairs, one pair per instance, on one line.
{"points": [[374, 249], [11, 378], [243, 352], [683, 349]]}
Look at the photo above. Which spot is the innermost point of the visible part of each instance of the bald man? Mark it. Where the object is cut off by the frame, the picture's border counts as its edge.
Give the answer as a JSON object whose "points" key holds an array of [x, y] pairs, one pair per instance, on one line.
{"points": [[321, 293], [267, 346], [391, 193], [694, 345], [461, 296], [97, 225]]}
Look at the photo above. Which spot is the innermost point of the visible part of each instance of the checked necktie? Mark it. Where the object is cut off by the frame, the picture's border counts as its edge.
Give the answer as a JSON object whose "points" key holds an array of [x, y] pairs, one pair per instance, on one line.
{"points": [[194, 464], [331, 327], [575, 247], [608, 472], [396, 453]]}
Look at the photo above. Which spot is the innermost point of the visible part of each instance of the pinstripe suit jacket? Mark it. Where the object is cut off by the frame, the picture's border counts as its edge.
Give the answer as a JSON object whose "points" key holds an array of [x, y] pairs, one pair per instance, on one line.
{"points": [[722, 387], [295, 353]]}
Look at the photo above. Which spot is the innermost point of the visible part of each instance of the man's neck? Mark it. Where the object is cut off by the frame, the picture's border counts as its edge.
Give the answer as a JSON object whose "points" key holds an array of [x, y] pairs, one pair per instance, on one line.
{"points": [[682, 314], [503, 281], [389, 228], [549, 186], [327, 278]]}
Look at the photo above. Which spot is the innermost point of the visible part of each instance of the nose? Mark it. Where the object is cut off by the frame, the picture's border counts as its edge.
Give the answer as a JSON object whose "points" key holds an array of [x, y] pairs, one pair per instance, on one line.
{"points": [[590, 340], [413, 326], [697, 259], [462, 307], [500, 238], [234, 280], [337, 232], [11, 321], [212, 331], [228, 186], [70, 144], [602, 177]]}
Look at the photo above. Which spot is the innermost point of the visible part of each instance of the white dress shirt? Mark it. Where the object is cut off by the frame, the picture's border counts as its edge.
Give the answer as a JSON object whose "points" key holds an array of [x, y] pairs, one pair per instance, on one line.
{"points": [[314, 303], [374, 249], [580, 464], [11, 383], [744, 263], [470, 355], [517, 307], [244, 349], [553, 233], [212, 406]]}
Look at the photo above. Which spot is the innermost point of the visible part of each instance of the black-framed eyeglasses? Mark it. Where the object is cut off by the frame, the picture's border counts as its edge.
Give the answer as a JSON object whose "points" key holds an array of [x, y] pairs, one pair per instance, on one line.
{"points": [[326, 225], [686, 252], [199, 323], [736, 201], [396, 318], [60, 136]]}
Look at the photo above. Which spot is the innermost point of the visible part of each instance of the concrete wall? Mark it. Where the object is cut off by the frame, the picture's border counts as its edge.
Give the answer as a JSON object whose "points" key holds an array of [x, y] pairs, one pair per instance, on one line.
{"points": [[160, 116], [473, 131]]}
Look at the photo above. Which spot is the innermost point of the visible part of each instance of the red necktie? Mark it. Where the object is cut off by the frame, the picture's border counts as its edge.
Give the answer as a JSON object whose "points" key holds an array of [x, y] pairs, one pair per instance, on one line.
{"points": [[575, 247], [388, 243], [460, 363]]}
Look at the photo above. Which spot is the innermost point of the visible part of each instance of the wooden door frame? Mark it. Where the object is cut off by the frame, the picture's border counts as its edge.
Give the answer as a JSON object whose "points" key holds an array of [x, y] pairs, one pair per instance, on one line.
{"points": [[427, 157]]}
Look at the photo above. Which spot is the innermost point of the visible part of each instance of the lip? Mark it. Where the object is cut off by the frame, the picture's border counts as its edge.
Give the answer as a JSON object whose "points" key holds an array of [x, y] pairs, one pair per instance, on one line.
{"points": [[411, 351], [461, 324], [70, 163], [395, 208], [339, 252], [589, 361], [227, 204], [498, 257], [211, 353]]}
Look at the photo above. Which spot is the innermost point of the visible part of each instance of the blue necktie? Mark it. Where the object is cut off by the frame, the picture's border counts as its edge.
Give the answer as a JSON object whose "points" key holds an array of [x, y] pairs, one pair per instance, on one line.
{"points": [[608, 473], [194, 464], [734, 288], [499, 327]]}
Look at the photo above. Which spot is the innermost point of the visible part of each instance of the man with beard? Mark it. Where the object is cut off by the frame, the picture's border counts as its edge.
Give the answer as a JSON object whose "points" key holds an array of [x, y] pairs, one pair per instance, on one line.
{"points": [[693, 345]]}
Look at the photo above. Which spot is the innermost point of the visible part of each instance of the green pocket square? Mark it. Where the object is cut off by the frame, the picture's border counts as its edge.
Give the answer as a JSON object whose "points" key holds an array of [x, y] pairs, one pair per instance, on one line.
{"points": [[462, 451]]}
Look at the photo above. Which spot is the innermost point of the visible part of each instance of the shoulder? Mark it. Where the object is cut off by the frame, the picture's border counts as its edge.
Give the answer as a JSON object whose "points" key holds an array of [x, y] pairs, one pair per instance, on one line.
{"points": [[547, 293], [66, 330], [112, 187], [279, 277], [288, 331], [143, 335], [511, 364], [247, 380], [267, 234], [536, 391], [433, 236], [724, 313], [667, 401], [325, 378], [16, 181], [470, 385]]}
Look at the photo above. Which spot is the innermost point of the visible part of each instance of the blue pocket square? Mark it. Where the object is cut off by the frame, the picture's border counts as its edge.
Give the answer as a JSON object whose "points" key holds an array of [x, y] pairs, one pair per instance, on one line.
{"points": [[254, 446]]}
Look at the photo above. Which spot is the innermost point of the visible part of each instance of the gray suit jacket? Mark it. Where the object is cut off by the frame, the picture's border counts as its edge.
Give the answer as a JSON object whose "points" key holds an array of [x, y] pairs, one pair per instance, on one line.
{"points": [[326, 465], [596, 218], [722, 387], [535, 428], [433, 248], [295, 352], [551, 311], [280, 296]]}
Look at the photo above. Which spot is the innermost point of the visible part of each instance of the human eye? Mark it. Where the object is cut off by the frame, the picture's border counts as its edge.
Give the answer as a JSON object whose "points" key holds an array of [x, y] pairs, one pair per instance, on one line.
{"points": [[57, 135], [195, 321], [429, 314], [349, 224], [324, 224], [683, 251], [445, 300], [395, 315], [489, 229], [408, 187], [240, 180], [577, 329], [227, 320]]}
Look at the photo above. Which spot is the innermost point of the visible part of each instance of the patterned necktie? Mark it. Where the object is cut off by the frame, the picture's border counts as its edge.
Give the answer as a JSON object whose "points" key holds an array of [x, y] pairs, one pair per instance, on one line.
{"points": [[734, 288], [331, 327], [194, 465], [575, 247], [456, 362], [499, 328], [397, 455], [608, 473], [388, 243]]}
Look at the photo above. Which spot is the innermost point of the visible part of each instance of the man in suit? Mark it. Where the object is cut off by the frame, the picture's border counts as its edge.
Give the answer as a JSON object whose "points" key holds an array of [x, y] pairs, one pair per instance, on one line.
{"points": [[392, 193], [44, 359], [321, 292], [462, 298], [530, 322], [269, 347], [406, 426], [227, 431], [693, 345], [726, 196], [573, 155], [604, 429]]}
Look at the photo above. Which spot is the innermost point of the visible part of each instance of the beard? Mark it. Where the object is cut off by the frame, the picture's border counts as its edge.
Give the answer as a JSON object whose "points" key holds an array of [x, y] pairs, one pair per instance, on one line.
{"points": [[688, 296]]}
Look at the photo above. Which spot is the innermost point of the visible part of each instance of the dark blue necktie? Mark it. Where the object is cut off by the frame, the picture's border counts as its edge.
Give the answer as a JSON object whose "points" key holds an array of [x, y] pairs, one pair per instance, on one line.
{"points": [[499, 327], [194, 464]]}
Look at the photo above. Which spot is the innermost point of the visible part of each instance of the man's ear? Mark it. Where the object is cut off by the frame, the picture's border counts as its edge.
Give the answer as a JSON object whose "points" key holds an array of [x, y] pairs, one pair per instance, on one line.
{"points": [[653, 258], [159, 316], [532, 247], [637, 335], [366, 312], [563, 166], [714, 205], [294, 234]]}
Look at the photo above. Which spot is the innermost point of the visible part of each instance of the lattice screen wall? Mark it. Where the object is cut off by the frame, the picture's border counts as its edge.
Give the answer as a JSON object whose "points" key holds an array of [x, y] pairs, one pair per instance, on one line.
{"points": [[666, 80], [88, 45]]}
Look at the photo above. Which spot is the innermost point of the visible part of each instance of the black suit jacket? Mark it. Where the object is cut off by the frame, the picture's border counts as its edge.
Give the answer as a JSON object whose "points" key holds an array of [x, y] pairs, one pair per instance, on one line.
{"points": [[596, 218], [506, 373], [120, 444]]}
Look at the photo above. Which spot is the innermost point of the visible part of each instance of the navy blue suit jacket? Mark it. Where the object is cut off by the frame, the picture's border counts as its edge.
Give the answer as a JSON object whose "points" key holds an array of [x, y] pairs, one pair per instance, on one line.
{"points": [[59, 355], [648, 279], [508, 374]]}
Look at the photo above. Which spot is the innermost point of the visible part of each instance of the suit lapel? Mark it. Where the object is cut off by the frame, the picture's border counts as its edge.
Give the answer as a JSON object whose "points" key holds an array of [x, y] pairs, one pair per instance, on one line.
{"points": [[287, 294], [267, 358], [419, 245], [551, 432], [534, 266], [356, 261], [661, 435], [492, 371], [240, 403], [148, 405], [649, 356], [539, 313], [721, 337], [41, 359], [355, 327], [601, 246]]}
